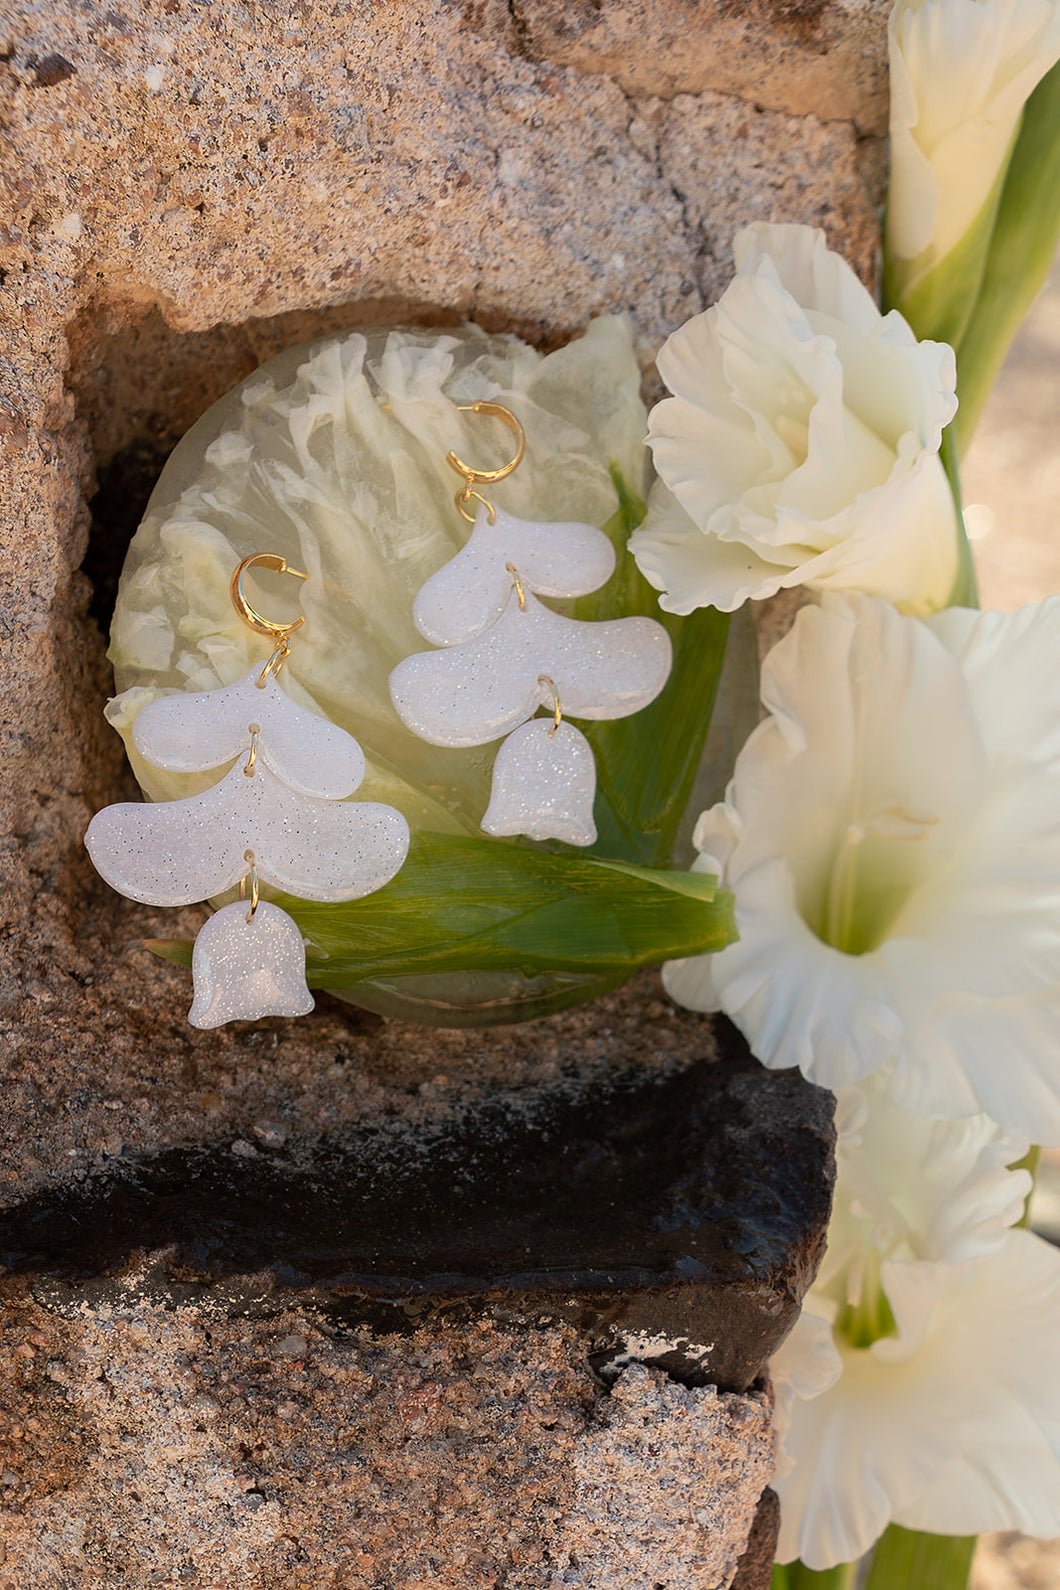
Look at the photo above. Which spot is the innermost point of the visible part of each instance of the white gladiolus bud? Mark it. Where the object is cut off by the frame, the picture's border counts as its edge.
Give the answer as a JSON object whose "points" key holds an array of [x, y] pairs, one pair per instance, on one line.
{"points": [[961, 71]]}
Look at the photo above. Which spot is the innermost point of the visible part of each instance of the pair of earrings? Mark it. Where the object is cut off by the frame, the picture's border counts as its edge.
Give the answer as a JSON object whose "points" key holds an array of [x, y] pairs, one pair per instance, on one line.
{"points": [[282, 816]]}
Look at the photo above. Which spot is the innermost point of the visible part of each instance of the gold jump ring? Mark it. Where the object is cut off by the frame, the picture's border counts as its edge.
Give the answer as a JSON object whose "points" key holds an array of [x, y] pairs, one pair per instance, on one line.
{"points": [[557, 707], [248, 855]]}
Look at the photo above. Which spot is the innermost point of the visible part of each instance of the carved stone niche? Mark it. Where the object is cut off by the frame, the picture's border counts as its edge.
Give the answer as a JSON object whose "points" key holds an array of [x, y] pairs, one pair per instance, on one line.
{"points": [[346, 1302]]}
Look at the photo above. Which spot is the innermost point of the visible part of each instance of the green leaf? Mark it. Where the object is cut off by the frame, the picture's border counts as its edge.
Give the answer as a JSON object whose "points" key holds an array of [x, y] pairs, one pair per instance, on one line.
{"points": [[465, 904], [646, 764], [906, 1557], [796, 1576], [1021, 252], [965, 591]]}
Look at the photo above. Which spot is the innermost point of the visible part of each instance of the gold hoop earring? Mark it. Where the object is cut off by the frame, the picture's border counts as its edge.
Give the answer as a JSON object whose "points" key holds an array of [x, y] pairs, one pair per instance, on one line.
{"points": [[256, 621], [287, 791], [504, 655], [485, 477]]}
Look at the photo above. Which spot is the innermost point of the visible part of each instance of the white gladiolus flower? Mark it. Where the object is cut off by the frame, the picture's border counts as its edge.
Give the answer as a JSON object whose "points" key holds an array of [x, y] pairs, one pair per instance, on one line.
{"points": [[961, 71], [921, 1383], [800, 446], [892, 838]]}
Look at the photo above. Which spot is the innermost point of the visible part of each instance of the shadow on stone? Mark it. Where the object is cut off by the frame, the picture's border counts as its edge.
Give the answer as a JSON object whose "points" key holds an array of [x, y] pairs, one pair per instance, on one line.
{"points": [[677, 1221]]}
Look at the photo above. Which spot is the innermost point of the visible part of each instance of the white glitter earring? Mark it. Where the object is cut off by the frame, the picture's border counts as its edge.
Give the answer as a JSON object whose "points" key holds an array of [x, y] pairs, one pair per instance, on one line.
{"points": [[505, 655], [279, 815]]}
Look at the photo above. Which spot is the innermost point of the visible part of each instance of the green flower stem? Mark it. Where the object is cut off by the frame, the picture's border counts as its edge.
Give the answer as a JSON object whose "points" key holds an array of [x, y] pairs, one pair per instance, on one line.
{"points": [[646, 764], [1021, 252], [1028, 1162], [965, 591], [796, 1576], [907, 1558]]}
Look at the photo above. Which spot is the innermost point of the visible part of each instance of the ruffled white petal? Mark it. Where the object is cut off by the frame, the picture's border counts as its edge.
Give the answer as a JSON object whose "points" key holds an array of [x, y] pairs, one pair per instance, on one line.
{"points": [[801, 441], [898, 804], [951, 1426]]}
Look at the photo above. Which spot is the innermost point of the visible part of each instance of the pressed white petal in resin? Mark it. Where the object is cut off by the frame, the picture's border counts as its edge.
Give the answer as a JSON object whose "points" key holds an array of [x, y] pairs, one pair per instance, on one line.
{"points": [[176, 852], [471, 591], [471, 694], [544, 784], [243, 970], [191, 733]]}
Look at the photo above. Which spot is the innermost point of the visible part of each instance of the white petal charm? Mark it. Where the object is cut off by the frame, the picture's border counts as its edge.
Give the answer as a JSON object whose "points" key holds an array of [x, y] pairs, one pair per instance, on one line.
{"points": [[246, 965], [477, 692], [193, 733], [280, 812], [471, 591], [177, 852], [544, 781]]}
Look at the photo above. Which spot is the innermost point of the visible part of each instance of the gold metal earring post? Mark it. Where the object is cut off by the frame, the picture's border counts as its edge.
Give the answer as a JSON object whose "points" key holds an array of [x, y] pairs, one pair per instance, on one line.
{"points": [[485, 477], [280, 633]]}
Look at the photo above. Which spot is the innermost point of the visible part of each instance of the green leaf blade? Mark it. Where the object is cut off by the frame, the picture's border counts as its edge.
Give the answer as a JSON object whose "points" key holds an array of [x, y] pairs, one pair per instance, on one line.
{"points": [[646, 764], [1022, 250]]}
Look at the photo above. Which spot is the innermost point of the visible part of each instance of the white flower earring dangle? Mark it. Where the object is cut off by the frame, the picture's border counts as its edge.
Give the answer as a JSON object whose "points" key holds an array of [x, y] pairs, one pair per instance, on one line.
{"points": [[280, 815], [505, 655]]}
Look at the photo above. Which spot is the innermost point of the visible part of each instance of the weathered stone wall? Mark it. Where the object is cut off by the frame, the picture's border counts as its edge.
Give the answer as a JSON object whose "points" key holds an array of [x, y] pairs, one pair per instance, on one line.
{"points": [[185, 188]]}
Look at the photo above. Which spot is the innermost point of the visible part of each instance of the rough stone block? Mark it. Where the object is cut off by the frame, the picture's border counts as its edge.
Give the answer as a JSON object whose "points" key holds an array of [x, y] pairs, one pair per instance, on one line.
{"points": [[184, 190]]}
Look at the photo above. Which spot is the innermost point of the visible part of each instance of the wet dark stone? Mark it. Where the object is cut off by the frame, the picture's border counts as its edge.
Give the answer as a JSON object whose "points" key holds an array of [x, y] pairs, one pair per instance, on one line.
{"points": [[691, 1211]]}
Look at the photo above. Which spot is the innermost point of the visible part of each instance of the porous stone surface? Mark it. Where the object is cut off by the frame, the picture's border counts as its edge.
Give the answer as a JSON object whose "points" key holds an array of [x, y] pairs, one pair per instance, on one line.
{"points": [[185, 189], [808, 57], [149, 1446]]}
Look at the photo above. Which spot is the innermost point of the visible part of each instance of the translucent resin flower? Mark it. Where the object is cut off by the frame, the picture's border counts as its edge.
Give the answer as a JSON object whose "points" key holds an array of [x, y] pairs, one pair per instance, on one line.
{"points": [[800, 446], [961, 71], [892, 838], [921, 1383]]}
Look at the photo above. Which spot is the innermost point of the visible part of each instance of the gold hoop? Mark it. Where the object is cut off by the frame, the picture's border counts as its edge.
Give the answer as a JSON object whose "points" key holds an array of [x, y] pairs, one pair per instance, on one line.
{"points": [[250, 616], [485, 477]]}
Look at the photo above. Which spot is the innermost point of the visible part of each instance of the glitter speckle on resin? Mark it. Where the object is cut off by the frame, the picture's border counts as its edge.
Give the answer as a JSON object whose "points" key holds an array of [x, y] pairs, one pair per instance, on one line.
{"points": [[244, 970], [192, 733], [544, 783], [504, 655]]}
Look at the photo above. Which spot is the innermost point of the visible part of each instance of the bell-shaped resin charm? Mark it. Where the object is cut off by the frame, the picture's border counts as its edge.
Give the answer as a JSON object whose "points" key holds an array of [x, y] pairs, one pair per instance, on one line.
{"points": [[544, 782], [248, 964]]}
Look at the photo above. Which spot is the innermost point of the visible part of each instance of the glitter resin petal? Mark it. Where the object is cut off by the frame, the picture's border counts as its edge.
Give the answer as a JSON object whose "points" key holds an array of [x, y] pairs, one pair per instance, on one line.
{"points": [[177, 852], [247, 966], [479, 691], [544, 783], [196, 732], [471, 591]]}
